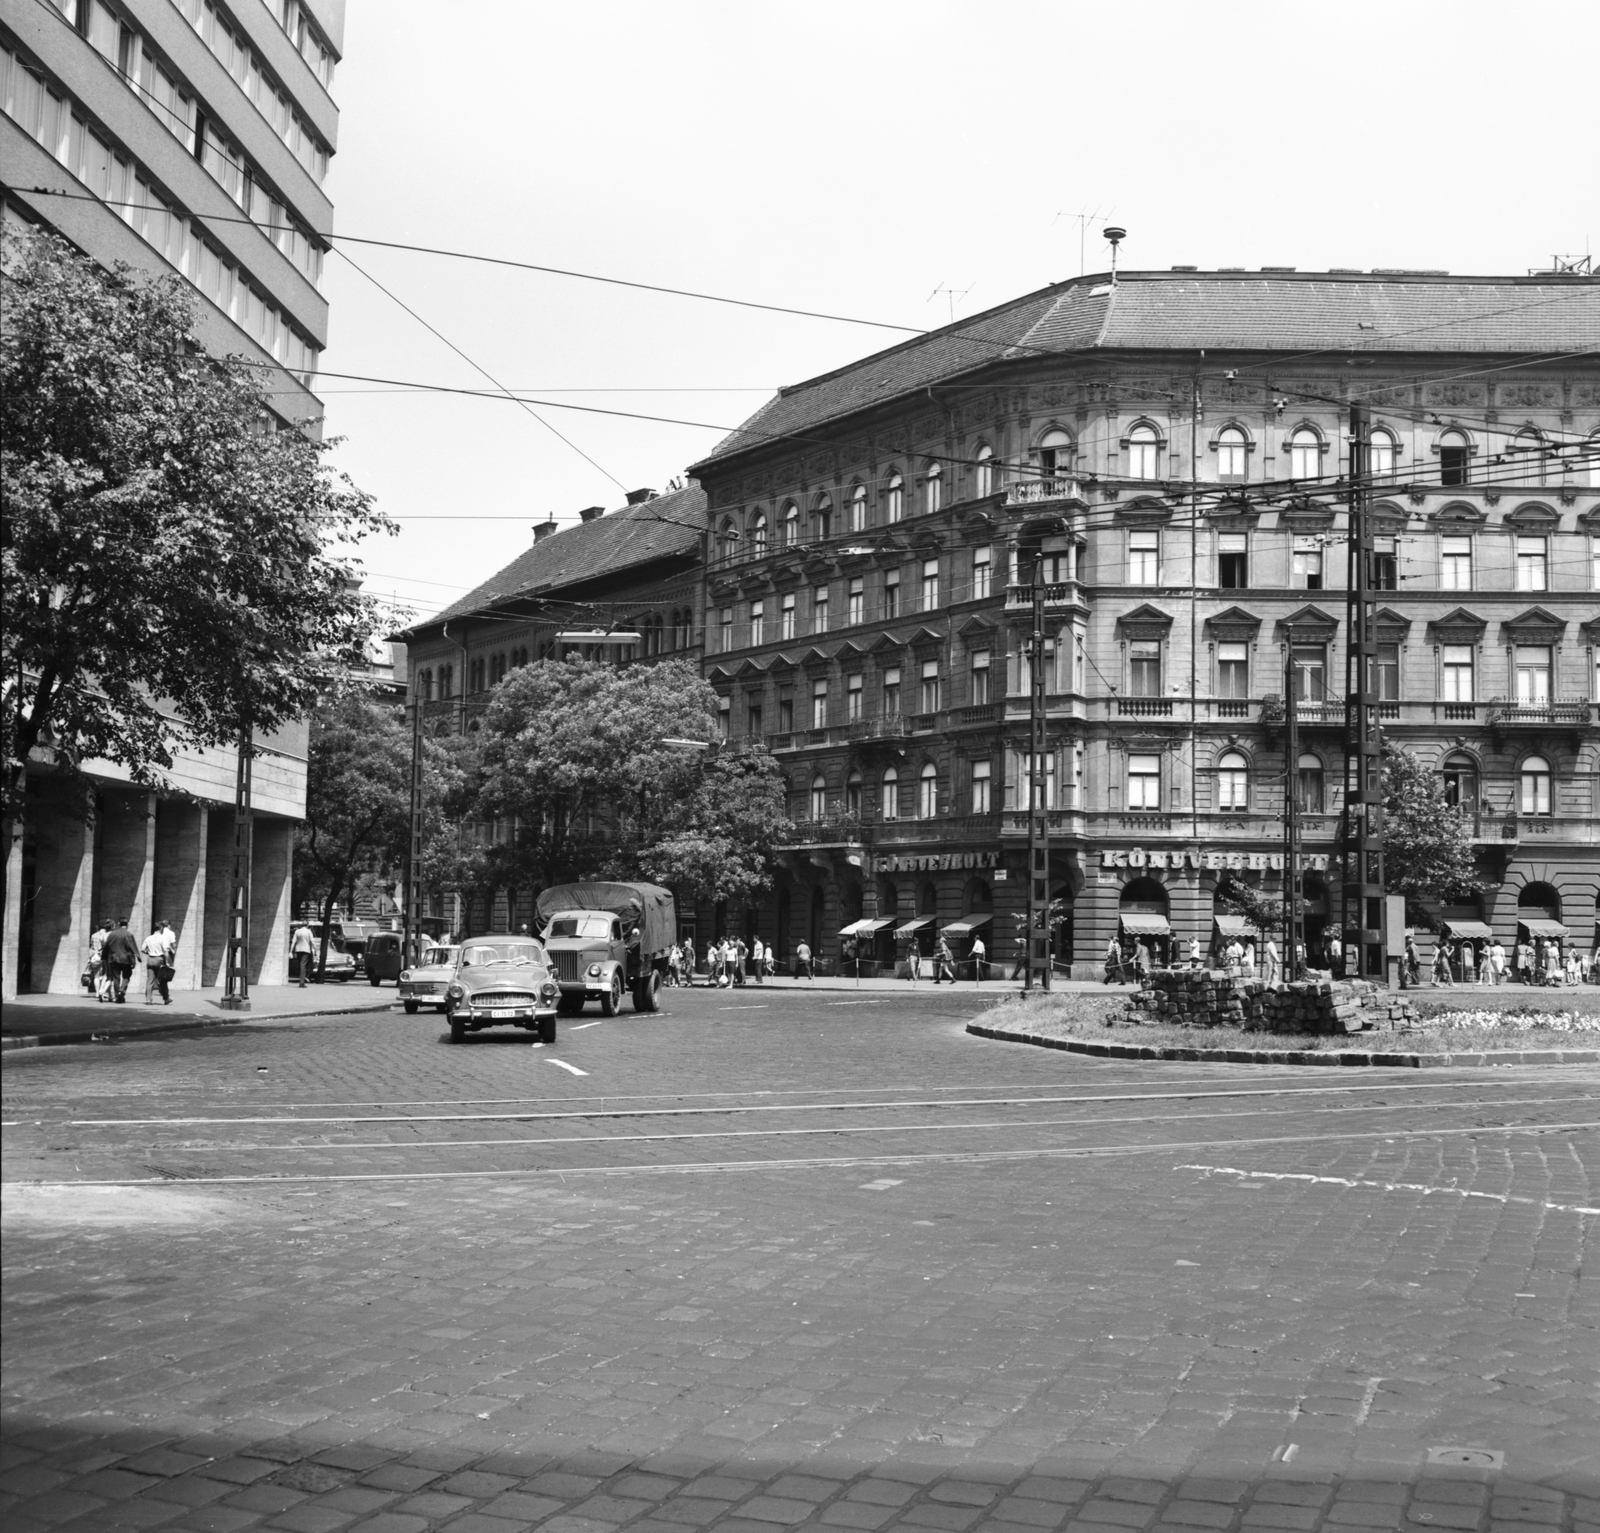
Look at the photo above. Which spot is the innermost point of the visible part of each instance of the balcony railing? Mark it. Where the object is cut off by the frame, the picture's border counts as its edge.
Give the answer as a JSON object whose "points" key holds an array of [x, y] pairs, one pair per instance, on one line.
{"points": [[1038, 492], [979, 713], [1145, 707], [1319, 713], [1564, 713], [1056, 594], [892, 726], [1231, 708], [1459, 713]]}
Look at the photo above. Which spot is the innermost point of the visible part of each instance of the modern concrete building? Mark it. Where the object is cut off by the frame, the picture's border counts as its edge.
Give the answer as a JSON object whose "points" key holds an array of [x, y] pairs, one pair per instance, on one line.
{"points": [[1171, 447], [186, 136]]}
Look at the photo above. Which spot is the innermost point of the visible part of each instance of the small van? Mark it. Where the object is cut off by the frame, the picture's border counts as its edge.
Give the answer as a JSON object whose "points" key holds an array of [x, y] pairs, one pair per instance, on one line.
{"points": [[385, 956]]}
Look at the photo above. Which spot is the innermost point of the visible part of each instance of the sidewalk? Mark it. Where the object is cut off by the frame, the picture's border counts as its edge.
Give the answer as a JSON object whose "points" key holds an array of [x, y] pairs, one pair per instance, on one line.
{"points": [[33, 1021]]}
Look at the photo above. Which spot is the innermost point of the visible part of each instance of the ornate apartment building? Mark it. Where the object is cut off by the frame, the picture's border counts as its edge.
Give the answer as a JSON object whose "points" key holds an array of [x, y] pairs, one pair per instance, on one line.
{"points": [[1166, 452]]}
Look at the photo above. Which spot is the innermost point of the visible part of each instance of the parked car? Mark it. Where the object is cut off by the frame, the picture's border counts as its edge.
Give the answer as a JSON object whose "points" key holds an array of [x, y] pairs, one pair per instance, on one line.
{"points": [[340, 966], [385, 956], [502, 979], [426, 983], [606, 940]]}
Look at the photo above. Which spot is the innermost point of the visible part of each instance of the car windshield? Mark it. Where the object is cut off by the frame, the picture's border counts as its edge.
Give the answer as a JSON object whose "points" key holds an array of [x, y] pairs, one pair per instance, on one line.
{"points": [[592, 925], [489, 955], [438, 955]]}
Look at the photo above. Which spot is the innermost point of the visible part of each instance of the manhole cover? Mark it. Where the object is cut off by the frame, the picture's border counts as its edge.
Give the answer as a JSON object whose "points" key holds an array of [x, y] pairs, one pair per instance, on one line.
{"points": [[1471, 1458]]}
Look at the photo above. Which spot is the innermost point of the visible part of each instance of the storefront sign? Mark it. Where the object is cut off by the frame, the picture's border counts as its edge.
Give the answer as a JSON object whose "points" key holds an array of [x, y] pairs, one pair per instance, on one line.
{"points": [[935, 862], [1188, 857]]}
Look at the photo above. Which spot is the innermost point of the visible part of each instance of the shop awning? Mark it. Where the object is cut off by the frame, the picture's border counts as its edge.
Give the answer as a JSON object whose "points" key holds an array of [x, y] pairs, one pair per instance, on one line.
{"points": [[1233, 926], [914, 926], [1542, 926], [1473, 929], [965, 926], [1139, 923], [866, 928]]}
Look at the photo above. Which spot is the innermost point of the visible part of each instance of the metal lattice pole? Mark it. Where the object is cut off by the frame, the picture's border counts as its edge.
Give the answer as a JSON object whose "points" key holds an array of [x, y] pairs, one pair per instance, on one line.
{"points": [[413, 911], [1038, 939], [236, 974], [1293, 920]]}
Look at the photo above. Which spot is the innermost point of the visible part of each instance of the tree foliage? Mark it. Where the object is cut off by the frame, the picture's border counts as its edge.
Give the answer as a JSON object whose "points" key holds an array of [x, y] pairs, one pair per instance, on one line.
{"points": [[172, 563], [1427, 841]]}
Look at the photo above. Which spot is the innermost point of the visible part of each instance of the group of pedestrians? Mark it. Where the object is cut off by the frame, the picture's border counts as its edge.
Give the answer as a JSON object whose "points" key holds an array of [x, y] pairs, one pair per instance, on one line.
{"points": [[732, 961], [943, 960], [114, 953]]}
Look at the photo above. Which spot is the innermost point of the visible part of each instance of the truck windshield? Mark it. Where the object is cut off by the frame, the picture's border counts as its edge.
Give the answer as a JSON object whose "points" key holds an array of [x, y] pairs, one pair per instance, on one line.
{"points": [[489, 955], [587, 925]]}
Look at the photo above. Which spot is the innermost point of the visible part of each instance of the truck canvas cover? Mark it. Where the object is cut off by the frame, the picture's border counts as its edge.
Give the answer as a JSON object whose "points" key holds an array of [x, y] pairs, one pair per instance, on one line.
{"points": [[649, 905]]}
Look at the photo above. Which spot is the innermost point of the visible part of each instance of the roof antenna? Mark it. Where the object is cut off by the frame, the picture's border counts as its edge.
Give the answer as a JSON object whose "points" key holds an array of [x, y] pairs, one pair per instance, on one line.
{"points": [[1116, 237]]}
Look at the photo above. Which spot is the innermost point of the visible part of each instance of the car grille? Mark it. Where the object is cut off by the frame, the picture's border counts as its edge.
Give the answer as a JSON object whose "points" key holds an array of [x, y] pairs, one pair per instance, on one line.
{"points": [[502, 998], [569, 966], [424, 988]]}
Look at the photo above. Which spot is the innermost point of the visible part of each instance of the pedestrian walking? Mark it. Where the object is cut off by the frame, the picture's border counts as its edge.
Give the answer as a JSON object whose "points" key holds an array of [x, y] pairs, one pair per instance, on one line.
{"points": [[97, 960], [121, 953], [301, 947], [1497, 963], [980, 966], [1234, 956], [157, 951], [740, 954], [1249, 959], [913, 961], [802, 962], [1114, 974], [944, 961], [1141, 962], [1441, 965], [758, 960], [1272, 961], [1572, 966], [1195, 953]]}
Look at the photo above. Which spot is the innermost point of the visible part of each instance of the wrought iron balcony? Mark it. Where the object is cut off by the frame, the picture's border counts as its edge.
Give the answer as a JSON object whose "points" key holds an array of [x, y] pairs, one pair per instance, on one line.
{"points": [[892, 726]]}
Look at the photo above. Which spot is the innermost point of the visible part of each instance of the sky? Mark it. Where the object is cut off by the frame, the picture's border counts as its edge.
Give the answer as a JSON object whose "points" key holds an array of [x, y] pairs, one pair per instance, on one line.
{"points": [[882, 160]]}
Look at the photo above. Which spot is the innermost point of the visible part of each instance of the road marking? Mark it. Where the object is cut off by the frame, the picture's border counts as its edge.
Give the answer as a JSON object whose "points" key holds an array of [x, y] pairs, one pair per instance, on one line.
{"points": [[763, 1006], [883, 1184], [815, 1163], [562, 1064], [1349, 1181], [855, 1003], [580, 1027]]}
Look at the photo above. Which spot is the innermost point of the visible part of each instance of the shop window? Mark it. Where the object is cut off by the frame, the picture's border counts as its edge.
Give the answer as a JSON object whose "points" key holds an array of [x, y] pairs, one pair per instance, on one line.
{"points": [[1533, 675], [1144, 782], [928, 793], [978, 673], [1144, 667], [1233, 560], [1233, 670], [1535, 785], [1233, 783], [891, 794], [1456, 660], [1309, 784], [981, 785]]}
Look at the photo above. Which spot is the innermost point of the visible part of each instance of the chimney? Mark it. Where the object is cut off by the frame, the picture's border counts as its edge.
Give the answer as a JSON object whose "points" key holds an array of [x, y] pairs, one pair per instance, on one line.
{"points": [[589, 513], [639, 497], [542, 530]]}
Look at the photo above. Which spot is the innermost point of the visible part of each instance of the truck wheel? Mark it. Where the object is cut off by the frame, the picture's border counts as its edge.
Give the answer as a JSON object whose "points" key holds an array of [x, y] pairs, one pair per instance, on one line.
{"points": [[547, 1029], [611, 1001], [458, 1029], [411, 1008], [647, 993]]}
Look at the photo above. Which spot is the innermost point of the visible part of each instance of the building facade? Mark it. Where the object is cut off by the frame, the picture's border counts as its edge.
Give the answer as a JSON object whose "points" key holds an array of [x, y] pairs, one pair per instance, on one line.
{"points": [[1165, 454], [183, 137]]}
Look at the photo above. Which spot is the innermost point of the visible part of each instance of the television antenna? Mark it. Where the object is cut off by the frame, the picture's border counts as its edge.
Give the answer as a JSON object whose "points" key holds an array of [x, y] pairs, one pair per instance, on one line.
{"points": [[952, 293]]}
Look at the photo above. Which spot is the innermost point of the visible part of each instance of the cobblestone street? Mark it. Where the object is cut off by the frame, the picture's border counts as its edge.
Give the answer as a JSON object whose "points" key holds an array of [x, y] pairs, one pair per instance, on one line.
{"points": [[775, 1261]]}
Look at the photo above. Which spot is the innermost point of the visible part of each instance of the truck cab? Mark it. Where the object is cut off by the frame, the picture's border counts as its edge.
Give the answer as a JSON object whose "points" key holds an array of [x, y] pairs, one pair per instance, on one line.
{"points": [[607, 940], [590, 958]]}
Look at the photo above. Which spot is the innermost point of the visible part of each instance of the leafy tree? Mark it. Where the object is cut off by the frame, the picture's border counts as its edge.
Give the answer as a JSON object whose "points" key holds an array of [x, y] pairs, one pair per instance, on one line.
{"points": [[172, 564], [1427, 842]]}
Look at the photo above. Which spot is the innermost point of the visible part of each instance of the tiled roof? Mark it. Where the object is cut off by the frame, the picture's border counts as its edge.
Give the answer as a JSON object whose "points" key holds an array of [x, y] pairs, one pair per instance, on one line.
{"points": [[1217, 311], [667, 526]]}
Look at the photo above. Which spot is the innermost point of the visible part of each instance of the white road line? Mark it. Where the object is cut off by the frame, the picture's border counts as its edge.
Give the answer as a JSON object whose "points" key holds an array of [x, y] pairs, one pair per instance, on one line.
{"points": [[855, 1003], [580, 1027], [763, 1006], [1350, 1181], [563, 1065], [883, 1184], [818, 1163]]}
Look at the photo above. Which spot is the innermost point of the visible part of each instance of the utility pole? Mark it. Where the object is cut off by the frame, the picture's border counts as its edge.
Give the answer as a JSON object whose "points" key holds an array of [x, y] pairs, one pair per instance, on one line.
{"points": [[1362, 913], [1194, 615], [236, 973], [412, 941], [1293, 921], [1038, 938]]}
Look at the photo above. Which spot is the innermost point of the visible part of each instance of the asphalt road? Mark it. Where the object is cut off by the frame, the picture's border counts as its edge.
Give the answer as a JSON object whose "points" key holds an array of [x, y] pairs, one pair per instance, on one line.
{"points": [[770, 1261]]}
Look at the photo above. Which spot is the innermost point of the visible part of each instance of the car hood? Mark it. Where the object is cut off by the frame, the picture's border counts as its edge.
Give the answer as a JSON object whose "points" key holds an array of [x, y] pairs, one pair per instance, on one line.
{"points": [[522, 974], [431, 971]]}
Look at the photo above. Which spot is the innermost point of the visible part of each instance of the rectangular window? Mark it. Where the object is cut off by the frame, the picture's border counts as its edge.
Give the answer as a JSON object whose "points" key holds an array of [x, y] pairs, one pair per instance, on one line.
{"points": [[786, 617], [1455, 563], [1144, 661], [1144, 782], [891, 594], [1533, 675], [1233, 670], [725, 629], [785, 710], [980, 787], [724, 717], [891, 692], [1457, 662], [852, 697], [1144, 558], [819, 609], [1594, 552], [752, 717], [930, 584], [1533, 563], [1385, 565], [978, 690], [1453, 465], [1233, 561], [981, 568], [758, 622], [930, 686], [1388, 673], [1307, 564], [856, 602], [819, 705], [1310, 666]]}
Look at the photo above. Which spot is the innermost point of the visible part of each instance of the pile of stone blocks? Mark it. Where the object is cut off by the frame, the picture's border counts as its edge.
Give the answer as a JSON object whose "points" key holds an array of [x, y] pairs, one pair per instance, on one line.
{"points": [[1222, 998]]}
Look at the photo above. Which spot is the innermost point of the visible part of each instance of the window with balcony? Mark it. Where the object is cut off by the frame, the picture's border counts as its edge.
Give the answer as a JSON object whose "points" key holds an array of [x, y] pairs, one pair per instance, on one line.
{"points": [[930, 584], [858, 508], [752, 716], [1456, 661], [786, 617], [1233, 454], [1525, 458], [1455, 562], [724, 717], [852, 793], [852, 697], [725, 630], [819, 705], [1309, 784], [982, 569], [983, 473], [1144, 783], [1233, 560], [1309, 667], [758, 622], [1533, 675], [891, 692], [819, 609], [929, 696], [1055, 455], [981, 784], [1144, 453], [1461, 783], [1305, 454], [1144, 558], [1533, 562], [1455, 459], [978, 677], [1380, 454], [786, 710], [1388, 677], [1233, 783], [757, 534], [1306, 564], [894, 499], [1535, 784], [819, 797], [928, 793], [1144, 667], [791, 524], [932, 489], [1233, 670], [890, 794], [891, 595]]}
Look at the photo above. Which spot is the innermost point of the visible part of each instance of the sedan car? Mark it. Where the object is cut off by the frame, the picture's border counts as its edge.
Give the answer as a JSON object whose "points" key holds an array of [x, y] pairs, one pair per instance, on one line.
{"points": [[426, 983], [502, 979]]}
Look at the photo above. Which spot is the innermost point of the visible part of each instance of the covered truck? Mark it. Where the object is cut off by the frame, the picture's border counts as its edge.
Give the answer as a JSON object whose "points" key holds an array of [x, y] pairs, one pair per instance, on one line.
{"points": [[604, 939]]}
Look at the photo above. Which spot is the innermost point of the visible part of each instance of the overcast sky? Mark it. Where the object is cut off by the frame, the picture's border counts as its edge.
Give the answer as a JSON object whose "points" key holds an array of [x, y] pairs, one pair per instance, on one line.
{"points": [[855, 158]]}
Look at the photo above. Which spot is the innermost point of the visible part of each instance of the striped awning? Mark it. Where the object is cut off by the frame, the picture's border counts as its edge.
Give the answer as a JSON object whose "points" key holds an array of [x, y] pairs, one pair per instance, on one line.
{"points": [[1541, 926], [1233, 926], [965, 926], [1473, 929], [866, 928], [914, 926], [1139, 923]]}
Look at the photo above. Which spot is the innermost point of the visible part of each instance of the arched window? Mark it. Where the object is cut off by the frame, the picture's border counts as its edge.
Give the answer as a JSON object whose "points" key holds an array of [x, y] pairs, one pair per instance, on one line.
{"points": [[1461, 782], [1455, 458], [1305, 454], [858, 508], [852, 793], [758, 534], [891, 794], [933, 489], [983, 476], [727, 538], [791, 524], [1233, 453], [928, 793], [1526, 457], [824, 514], [1055, 454], [1535, 777], [1380, 453], [1308, 784], [819, 796], [894, 499], [1144, 453], [1233, 783]]}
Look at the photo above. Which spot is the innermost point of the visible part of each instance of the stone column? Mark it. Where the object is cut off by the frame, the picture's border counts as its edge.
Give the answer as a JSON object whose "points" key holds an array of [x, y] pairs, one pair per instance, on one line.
{"points": [[125, 858], [180, 885], [213, 946], [270, 894], [56, 925], [11, 952]]}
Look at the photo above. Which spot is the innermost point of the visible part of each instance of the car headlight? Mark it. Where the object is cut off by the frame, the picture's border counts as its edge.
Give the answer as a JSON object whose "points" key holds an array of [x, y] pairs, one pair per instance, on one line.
{"points": [[551, 992], [457, 993], [594, 971], [405, 976]]}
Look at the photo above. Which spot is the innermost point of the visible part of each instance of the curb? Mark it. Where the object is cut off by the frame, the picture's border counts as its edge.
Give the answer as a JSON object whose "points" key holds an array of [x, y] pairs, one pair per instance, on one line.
{"points": [[1384, 1059], [175, 1025]]}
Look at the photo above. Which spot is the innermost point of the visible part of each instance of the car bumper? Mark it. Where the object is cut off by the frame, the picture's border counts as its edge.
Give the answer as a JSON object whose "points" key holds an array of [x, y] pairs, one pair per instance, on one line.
{"points": [[505, 1013]]}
